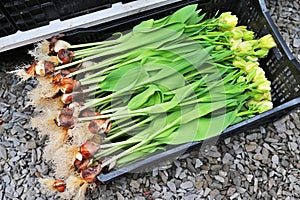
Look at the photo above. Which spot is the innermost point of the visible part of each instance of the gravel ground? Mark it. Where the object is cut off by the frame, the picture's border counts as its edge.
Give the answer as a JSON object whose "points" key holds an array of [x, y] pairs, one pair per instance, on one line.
{"points": [[261, 164]]}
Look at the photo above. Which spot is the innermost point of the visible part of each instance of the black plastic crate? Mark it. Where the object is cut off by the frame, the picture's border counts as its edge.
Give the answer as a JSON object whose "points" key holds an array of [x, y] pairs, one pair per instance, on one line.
{"points": [[29, 14], [123, 1], [280, 66], [7, 27]]}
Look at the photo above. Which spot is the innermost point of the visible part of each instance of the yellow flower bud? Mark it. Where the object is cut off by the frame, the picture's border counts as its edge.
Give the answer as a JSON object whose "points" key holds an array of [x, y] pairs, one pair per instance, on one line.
{"points": [[239, 63], [259, 74], [237, 33], [242, 28], [258, 97], [262, 96], [261, 53], [247, 46], [251, 66], [251, 103], [248, 35], [252, 58], [227, 20], [235, 43], [267, 96], [263, 106], [265, 86], [267, 42]]}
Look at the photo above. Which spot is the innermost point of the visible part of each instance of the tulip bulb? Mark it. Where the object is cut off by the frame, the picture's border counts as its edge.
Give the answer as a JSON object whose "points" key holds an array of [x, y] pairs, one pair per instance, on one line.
{"points": [[67, 98], [59, 185], [44, 68], [61, 44], [66, 121], [88, 149], [65, 56], [90, 174]]}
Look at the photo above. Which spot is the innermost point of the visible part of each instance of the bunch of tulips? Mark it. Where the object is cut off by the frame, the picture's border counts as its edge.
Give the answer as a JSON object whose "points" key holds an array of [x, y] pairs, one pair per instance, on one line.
{"points": [[174, 80]]}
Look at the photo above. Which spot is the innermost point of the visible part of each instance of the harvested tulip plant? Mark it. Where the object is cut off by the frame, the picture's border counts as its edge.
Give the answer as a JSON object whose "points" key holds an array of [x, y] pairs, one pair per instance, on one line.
{"points": [[174, 80]]}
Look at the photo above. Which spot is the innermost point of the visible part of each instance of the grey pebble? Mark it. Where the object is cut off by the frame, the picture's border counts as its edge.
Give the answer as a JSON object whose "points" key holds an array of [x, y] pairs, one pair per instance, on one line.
{"points": [[172, 186], [293, 146], [33, 156], [157, 187], [156, 195], [214, 193], [280, 126], [258, 156], [186, 185], [14, 159], [167, 195], [6, 179], [182, 175], [31, 144], [214, 154], [237, 180], [231, 191], [19, 191], [235, 195], [250, 148], [227, 158], [190, 197], [241, 190], [3, 152], [296, 42], [6, 116], [275, 159], [163, 176], [135, 184], [16, 141], [198, 163], [251, 137], [155, 171], [9, 191], [220, 179], [119, 196], [240, 167], [249, 177], [206, 191]]}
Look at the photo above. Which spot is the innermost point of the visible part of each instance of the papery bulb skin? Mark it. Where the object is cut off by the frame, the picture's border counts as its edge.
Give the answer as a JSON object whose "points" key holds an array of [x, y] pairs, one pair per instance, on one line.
{"points": [[90, 174], [31, 68], [65, 56], [49, 68], [67, 111], [88, 149], [81, 165], [67, 85], [59, 185], [100, 126], [67, 98], [56, 79], [40, 68], [53, 40], [61, 44], [89, 113], [66, 121]]}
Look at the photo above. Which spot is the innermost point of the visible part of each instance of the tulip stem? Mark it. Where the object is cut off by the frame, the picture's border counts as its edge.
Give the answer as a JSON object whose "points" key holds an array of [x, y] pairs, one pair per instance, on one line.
{"points": [[126, 130]]}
